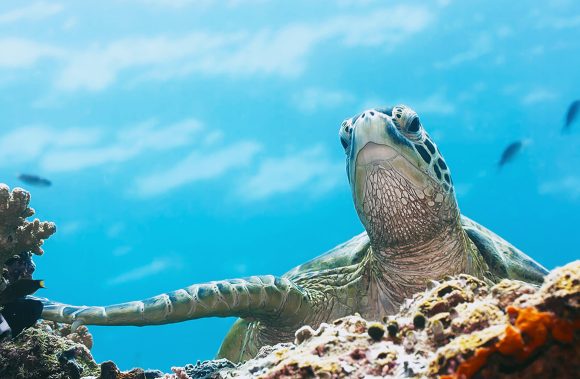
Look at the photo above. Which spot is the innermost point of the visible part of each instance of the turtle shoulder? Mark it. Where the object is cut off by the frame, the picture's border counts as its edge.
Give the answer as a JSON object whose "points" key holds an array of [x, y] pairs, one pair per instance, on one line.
{"points": [[504, 259], [348, 253]]}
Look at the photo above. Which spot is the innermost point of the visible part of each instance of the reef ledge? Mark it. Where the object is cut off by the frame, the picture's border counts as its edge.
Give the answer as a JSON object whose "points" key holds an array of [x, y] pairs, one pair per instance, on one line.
{"points": [[458, 328]]}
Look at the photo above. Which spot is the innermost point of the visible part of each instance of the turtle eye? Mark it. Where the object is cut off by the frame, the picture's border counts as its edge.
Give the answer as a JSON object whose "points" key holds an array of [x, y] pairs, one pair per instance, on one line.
{"points": [[345, 134]]}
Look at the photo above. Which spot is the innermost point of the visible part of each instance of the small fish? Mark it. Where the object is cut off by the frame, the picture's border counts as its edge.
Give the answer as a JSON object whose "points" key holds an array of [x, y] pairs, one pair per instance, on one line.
{"points": [[21, 313], [35, 180], [20, 289], [571, 115], [510, 153]]}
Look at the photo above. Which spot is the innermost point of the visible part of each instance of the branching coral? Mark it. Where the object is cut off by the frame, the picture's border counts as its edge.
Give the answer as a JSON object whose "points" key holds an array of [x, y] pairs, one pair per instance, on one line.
{"points": [[80, 335], [17, 235]]}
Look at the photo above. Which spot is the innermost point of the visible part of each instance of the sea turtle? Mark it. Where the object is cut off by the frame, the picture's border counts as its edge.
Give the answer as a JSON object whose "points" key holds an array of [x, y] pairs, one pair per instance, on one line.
{"points": [[404, 196]]}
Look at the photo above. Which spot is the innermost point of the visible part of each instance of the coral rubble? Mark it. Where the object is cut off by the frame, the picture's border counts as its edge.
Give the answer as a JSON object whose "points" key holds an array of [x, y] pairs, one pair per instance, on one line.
{"points": [[459, 328]]}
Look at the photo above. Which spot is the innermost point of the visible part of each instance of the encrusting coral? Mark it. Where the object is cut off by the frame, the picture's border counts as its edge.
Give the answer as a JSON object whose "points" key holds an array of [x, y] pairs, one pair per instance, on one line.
{"points": [[459, 328], [17, 235]]}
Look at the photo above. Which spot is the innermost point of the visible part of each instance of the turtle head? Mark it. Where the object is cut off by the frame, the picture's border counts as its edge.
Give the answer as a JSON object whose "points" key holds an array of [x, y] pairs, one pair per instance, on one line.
{"points": [[400, 183]]}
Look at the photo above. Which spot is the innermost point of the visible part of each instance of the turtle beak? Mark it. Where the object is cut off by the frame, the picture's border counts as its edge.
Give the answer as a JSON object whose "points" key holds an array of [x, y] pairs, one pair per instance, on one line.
{"points": [[375, 138]]}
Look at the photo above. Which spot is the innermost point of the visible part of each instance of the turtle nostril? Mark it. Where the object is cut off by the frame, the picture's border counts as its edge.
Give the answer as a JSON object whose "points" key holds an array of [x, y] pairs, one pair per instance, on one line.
{"points": [[372, 113], [363, 115], [414, 126]]}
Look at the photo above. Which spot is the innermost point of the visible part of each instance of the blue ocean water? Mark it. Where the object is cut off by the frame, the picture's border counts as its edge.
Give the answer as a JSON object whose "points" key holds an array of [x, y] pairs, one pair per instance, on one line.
{"points": [[190, 141]]}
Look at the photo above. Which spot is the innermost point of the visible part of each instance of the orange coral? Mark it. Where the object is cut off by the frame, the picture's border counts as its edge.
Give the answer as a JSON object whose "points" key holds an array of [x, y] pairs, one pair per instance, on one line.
{"points": [[563, 330], [511, 343], [532, 324], [472, 365]]}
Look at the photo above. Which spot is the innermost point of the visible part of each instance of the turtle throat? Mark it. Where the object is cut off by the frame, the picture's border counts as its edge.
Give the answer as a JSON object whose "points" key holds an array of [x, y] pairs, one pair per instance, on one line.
{"points": [[414, 231]]}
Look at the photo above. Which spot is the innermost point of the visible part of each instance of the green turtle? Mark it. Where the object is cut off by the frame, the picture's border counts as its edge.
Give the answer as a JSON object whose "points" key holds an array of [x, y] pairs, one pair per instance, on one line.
{"points": [[404, 197]]}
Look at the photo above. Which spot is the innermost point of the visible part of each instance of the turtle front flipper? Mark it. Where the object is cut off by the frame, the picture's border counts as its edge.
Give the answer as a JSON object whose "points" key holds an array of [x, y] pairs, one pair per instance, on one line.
{"points": [[503, 259], [259, 297]]}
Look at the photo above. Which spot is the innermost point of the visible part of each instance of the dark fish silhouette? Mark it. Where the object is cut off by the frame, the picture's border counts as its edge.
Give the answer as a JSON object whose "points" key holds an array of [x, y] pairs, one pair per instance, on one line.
{"points": [[18, 311], [21, 313], [573, 111], [34, 180], [510, 153], [20, 289]]}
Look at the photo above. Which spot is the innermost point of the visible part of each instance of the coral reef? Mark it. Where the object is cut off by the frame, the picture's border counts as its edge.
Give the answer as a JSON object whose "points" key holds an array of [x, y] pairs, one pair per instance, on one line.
{"points": [[459, 328], [19, 238], [205, 369], [35, 353], [178, 373], [51, 351], [110, 371], [80, 335]]}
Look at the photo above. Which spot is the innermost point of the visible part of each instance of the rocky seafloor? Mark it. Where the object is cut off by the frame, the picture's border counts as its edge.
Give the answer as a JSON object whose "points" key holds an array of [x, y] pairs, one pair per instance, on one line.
{"points": [[457, 328]]}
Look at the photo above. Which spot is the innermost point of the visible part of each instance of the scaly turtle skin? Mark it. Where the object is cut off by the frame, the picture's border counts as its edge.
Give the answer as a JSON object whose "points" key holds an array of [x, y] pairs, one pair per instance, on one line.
{"points": [[404, 196]]}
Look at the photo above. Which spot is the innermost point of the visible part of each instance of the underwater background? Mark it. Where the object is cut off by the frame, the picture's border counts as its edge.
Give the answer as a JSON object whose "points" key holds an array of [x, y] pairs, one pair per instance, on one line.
{"points": [[190, 141]]}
